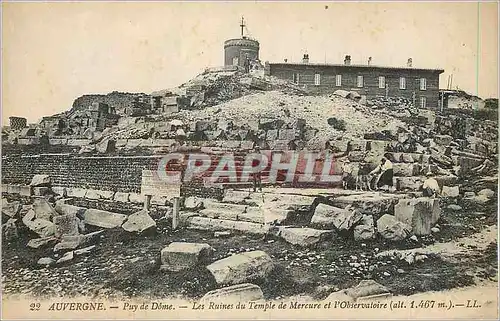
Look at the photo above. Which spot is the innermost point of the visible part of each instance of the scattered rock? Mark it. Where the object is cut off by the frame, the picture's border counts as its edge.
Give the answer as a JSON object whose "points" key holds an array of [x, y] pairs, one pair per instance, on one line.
{"points": [[40, 180], [178, 256], [139, 222], [9, 229], [365, 230], [222, 234], [41, 191], [392, 229], [10, 209], [435, 230], [303, 236], [245, 292], [193, 203], [469, 194], [46, 261], [241, 268], [454, 207], [85, 250], [68, 256], [367, 288], [488, 193], [68, 242], [37, 243]]}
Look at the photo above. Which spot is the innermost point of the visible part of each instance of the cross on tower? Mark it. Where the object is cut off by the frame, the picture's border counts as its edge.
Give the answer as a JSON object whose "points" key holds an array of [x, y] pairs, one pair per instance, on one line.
{"points": [[242, 25]]}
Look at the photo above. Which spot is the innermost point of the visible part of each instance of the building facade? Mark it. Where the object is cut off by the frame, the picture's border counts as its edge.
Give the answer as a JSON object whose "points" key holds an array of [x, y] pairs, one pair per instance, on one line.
{"points": [[418, 85]]}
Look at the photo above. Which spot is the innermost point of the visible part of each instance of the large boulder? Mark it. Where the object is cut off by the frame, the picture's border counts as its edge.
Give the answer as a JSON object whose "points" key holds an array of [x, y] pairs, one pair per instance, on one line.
{"points": [[324, 215], [241, 268], [368, 203], [419, 213], [178, 256], [303, 236], [43, 228], [139, 222], [365, 230], [40, 180], [43, 210], [103, 219], [245, 292], [392, 229]]}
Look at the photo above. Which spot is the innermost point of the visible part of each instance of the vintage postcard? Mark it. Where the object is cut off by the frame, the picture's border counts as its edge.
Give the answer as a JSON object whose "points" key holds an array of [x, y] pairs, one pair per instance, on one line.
{"points": [[249, 160]]}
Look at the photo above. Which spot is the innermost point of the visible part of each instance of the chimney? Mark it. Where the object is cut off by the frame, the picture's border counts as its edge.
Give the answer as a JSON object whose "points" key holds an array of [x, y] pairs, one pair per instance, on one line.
{"points": [[409, 63], [347, 60], [305, 59], [369, 61]]}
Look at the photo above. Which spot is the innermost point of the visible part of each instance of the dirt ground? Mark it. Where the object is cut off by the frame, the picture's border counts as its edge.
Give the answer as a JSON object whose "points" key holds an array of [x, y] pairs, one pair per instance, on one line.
{"points": [[125, 265]]}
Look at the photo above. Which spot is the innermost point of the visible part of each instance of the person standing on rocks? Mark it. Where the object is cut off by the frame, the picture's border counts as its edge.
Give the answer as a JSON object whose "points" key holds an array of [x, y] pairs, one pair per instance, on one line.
{"points": [[385, 173], [430, 186]]}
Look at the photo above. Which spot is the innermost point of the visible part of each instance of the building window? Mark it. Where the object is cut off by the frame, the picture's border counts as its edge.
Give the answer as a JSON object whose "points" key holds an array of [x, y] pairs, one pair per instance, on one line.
{"points": [[317, 79], [423, 102], [296, 78], [402, 83], [360, 81], [338, 80], [381, 82], [423, 84]]}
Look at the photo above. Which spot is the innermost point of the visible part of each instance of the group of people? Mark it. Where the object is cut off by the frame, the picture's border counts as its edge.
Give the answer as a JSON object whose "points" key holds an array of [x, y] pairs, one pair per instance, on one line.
{"points": [[362, 175]]}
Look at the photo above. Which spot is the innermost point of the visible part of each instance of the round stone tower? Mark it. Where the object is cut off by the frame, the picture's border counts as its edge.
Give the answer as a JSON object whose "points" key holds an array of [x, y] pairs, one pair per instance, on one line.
{"points": [[236, 51]]}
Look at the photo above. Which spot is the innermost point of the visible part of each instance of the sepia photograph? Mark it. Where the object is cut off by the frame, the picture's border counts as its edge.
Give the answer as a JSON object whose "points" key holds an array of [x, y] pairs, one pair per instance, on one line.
{"points": [[250, 160]]}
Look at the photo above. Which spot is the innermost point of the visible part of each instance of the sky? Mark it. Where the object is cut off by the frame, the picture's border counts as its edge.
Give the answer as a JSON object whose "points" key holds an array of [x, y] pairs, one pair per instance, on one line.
{"points": [[54, 52]]}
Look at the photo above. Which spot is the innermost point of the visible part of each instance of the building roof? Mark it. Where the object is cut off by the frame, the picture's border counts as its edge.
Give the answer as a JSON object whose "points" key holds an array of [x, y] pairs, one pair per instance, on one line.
{"points": [[314, 64]]}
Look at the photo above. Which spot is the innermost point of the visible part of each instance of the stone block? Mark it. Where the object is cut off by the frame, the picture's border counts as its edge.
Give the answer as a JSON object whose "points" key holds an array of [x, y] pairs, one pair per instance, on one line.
{"points": [[210, 224], [413, 183], [252, 214], [303, 236], [450, 191], [66, 225], [76, 192], [245, 292], [40, 180], [121, 197], [59, 190], [242, 268], [419, 213], [193, 203], [26, 190], [92, 194], [178, 256], [136, 198], [103, 219], [406, 170], [66, 209]]}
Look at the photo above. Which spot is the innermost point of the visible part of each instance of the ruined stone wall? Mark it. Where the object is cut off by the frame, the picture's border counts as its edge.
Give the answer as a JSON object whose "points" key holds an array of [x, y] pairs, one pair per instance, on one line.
{"points": [[121, 174]]}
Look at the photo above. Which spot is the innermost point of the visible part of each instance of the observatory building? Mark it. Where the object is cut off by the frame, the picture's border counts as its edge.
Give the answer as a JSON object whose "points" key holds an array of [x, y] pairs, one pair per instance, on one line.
{"points": [[236, 51]]}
